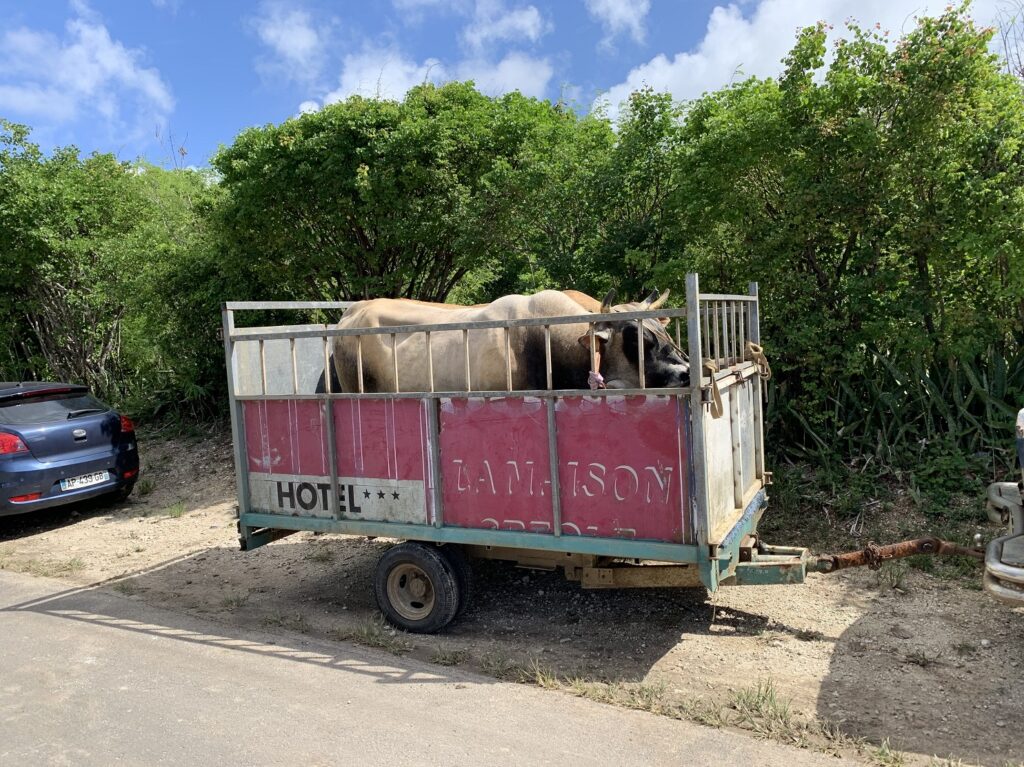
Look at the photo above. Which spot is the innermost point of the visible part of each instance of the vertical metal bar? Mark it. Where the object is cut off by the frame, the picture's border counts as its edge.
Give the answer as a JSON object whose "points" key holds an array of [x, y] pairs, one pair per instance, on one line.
{"points": [[723, 308], [717, 349], [327, 413], [465, 344], [235, 408], [743, 330], [508, 360], [698, 456], [593, 349], [640, 353], [735, 392], [547, 354], [359, 362], [327, 367], [755, 337], [705, 318], [295, 369], [263, 369], [434, 445], [556, 495], [430, 364], [394, 359], [679, 337], [733, 333]]}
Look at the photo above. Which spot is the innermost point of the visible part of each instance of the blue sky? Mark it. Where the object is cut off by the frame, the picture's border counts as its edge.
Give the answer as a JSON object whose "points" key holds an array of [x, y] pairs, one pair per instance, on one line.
{"points": [[138, 77]]}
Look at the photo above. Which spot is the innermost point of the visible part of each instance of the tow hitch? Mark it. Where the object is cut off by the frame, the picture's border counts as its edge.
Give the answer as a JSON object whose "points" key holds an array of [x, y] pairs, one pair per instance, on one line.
{"points": [[762, 564]]}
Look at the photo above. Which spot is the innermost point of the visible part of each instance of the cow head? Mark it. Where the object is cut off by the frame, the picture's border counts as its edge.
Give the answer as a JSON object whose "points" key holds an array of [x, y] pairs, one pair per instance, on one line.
{"points": [[665, 365]]}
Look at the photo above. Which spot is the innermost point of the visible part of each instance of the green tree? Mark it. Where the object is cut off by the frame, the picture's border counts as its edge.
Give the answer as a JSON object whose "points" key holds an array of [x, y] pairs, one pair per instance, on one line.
{"points": [[372, 198], [878, 202]]}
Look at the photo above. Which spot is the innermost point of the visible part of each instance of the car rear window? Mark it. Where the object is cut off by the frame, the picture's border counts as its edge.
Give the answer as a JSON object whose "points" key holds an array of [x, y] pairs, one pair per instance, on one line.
{"points": [[49, 408]]}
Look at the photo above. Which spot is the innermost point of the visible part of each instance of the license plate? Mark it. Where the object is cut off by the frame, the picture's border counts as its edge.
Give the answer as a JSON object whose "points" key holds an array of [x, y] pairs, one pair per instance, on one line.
{"points": [[86, 480]]}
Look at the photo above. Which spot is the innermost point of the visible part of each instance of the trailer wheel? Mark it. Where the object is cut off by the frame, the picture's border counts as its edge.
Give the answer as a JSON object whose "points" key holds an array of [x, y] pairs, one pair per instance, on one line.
{"points": [[463, 574], [416, 588]]}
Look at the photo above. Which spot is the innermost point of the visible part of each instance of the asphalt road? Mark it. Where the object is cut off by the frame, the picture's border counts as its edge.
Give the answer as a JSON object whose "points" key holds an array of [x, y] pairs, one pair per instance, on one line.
{"points": [[89, 677]]}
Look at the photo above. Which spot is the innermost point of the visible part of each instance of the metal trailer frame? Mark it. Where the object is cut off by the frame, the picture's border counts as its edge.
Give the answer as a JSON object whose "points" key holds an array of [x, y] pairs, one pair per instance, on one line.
{"points": [[721, 331]]}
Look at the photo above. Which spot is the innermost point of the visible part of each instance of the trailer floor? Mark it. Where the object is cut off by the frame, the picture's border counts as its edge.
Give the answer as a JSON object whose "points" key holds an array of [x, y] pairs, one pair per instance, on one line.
{"points": [[935, 667]]}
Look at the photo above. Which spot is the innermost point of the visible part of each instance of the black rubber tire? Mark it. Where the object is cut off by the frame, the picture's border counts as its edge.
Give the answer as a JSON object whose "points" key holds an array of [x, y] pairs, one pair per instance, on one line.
{"points": [[463, 570], [443, 583], [121, 494]]}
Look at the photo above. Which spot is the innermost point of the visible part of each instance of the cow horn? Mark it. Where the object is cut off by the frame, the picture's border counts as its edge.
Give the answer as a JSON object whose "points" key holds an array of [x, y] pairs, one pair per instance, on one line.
{"points": [[606, 305], [658, 302]]}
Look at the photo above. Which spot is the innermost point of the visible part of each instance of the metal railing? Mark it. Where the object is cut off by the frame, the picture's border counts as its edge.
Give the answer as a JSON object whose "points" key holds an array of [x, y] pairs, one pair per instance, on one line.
{"points": [[262, 335]]}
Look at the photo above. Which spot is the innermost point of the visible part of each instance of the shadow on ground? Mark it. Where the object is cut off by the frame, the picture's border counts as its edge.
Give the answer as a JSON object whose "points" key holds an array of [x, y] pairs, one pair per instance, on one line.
{"points": [[947, 678]]}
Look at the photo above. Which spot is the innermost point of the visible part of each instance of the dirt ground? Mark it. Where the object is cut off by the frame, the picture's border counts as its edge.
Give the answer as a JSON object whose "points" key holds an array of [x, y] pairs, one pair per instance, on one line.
{"points": [[933, 666]]}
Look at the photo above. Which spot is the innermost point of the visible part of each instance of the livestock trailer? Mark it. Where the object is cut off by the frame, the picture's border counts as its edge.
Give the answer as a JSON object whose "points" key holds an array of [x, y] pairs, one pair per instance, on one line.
{"points": [[620, 488]]}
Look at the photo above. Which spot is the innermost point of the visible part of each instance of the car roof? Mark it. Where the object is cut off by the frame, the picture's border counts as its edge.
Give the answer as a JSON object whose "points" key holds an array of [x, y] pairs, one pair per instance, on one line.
{"points": [[18, 389]]}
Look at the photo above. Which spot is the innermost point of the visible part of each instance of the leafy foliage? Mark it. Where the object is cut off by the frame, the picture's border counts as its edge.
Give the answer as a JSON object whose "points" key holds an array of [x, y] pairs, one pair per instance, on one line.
{"points": [[876, 193]]}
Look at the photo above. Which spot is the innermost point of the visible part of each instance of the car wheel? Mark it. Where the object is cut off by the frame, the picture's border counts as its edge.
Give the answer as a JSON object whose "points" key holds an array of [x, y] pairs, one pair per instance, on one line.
{"points": [[121, 494]]}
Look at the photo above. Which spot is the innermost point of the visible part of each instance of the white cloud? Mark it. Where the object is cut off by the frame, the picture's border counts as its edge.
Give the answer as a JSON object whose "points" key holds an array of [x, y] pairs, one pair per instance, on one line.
{"points": [[308, 107], [296, 45], [517, 71], [388, 73], [737, 46], [81, 75], [383, 73], [461, 6], [618, 16], [492, 22]]}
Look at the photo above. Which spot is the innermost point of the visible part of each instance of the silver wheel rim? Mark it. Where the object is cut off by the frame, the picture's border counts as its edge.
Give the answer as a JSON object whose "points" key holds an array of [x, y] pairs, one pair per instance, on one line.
{"points": [[410, 592]]}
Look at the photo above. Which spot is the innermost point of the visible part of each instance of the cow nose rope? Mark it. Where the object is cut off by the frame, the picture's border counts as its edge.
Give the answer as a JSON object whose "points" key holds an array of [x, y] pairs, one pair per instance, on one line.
{"points": [[756, 354], [595, 379]]}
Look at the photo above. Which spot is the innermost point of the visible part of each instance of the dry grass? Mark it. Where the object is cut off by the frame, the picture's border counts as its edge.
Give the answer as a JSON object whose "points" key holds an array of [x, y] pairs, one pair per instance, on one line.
{"points": [[376, 632], [445, 655]]}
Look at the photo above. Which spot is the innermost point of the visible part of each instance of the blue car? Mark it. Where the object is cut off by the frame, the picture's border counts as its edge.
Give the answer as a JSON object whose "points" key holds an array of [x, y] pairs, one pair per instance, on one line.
{"points": [[59, 444]]}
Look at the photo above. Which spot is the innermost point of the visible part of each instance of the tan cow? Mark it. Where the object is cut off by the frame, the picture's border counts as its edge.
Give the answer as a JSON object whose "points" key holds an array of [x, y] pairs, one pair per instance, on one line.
{"points": [[665, 366]]}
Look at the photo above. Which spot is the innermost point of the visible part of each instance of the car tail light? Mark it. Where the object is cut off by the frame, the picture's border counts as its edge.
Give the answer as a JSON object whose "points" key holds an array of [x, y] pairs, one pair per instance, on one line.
{"points": [[24, 498], [129, 474], [127, 426], [11, 444]]}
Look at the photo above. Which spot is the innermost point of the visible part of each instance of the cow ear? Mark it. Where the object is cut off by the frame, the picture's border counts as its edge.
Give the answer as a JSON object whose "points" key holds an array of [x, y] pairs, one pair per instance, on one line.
{"points": [[646, 303], [602, 335]]}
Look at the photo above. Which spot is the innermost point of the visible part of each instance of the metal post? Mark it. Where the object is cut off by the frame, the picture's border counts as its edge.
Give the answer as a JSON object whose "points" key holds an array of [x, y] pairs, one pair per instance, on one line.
{"points": [[697, 450], [465, 344], [547, 354], [556, 495], [508, 360], [327, 366], [430, 363], [394, 359], [640, 353], [359, 362], [237, 419], [434, 446], [295, 369], [761, 387], [327, 413], [717, 349], [263, 368]]}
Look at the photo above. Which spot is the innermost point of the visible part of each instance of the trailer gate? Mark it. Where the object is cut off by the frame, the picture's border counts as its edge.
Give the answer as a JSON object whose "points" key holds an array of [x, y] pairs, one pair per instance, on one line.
{"points": [[665, 475]]}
